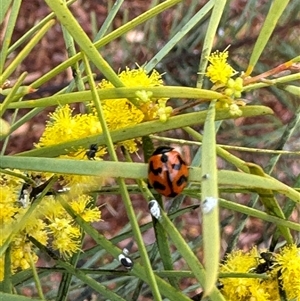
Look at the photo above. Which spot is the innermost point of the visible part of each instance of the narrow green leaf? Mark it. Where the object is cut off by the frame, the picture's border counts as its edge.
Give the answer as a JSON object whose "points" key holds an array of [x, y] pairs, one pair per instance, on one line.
{"points": [[12, 92], [143, 129], [157, 92], [23, 90], [209, 198], [270, 203], [13, 14], [25, 51], [6, 285], [179, 35], [108, 169], [71, 50], [295, 90], [164, 250], [259, 214], [36, 278], [4, 8], [10, 297], [272, 82], [210, 38], [276, 10], [109, 19], [66, 18], [190, 258], [250, 181]]}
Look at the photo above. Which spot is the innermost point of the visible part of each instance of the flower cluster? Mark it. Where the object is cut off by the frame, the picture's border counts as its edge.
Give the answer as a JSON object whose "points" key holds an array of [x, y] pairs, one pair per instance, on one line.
{"points": [[220, 74], [283, 270], [219, 71], [119, 113], [149, 107], [289, 269], [49, 224]]}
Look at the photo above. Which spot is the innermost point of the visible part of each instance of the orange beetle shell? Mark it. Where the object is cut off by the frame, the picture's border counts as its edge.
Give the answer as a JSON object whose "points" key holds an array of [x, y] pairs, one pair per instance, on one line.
{"points": [[167, 172]]}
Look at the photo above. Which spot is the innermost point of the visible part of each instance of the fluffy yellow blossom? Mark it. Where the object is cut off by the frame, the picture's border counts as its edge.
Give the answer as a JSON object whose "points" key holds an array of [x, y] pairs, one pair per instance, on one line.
{"points": [[82, 206], [219, 71], [49, 223], [51, 208], [145, 103], [238, 261], [246, 289], [119, 113], [66, 236], [288, 261], [38, 230], [65, 126], [8, 204], [136, 78], [283, 271]]}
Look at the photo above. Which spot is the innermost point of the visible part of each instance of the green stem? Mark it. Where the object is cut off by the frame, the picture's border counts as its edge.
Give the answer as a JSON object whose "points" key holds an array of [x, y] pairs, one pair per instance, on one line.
{"points": [[36, 277], [210, 35], [125, 92], [138, 270], [123, 189], [98, 287], [108, 38], [210, 206], [8, 32], [25, 51], [187, 254], [6, 285], [9, 98], [66, 18]]}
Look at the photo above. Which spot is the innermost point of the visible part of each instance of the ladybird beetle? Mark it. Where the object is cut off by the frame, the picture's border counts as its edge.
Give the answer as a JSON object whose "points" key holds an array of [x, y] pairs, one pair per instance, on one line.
{"points": [[167, 173]]}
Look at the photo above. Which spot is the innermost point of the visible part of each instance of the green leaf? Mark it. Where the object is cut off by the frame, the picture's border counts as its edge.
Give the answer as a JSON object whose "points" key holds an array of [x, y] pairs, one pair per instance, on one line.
{"points": [[66, 18], [25, 51], [190, 258], [9, 28], [10, 297], [4, 8], [295, 90], [115, 93], [143, 129], [276, 10], [210, 206], [189, 25], [210, 38], [270, 203]]}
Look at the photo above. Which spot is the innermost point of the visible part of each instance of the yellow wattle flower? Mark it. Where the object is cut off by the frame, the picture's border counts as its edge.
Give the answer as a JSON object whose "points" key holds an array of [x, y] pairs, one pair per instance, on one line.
{"points": [[219, 71]]}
